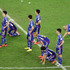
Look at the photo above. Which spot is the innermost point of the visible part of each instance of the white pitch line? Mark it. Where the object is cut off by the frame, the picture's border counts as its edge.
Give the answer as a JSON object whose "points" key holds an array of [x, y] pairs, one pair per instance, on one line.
{"points": [[25, 32]]}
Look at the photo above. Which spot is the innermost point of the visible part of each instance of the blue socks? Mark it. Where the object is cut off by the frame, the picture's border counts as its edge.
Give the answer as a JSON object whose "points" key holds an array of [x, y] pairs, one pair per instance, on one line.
{"points": [[3, 40], [60, 60], [30, 44]]}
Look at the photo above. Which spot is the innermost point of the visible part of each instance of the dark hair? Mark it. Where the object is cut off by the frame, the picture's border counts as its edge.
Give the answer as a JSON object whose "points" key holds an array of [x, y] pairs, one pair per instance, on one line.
{"points": [[43, 48], [30, 16], [38, 11], [5, 12], [59, 30]]}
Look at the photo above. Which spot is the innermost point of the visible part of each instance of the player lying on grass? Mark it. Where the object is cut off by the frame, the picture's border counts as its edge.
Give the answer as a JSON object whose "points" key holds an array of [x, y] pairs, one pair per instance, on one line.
{"points": [[13, 30], [50, 57], [4, 29], [59, 46], [37, 22], [67, 28], [44, 41], [30, 37]]}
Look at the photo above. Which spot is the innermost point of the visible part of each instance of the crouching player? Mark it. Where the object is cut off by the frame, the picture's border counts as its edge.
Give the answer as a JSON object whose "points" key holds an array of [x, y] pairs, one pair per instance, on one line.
{"points": [[44, 41], [30, 37], [67, 28], [59, 46], [50, 57], [13, 30]]}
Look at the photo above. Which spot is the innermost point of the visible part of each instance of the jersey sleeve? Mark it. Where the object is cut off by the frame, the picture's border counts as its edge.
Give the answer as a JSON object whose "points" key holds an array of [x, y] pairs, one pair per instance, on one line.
{"points": [[6, 19], [61, 38], [32, 24], [39, 18]]}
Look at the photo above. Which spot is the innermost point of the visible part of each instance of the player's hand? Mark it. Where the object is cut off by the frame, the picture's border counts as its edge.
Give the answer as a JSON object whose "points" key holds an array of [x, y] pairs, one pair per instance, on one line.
{"points": [[59, 46], [3, 27], [36, 23], [43, 63], [29, 31]]}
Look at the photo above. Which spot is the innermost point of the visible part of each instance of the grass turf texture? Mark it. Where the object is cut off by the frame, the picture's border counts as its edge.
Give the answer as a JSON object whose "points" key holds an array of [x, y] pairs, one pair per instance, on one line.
{"points": [[54, 14]]}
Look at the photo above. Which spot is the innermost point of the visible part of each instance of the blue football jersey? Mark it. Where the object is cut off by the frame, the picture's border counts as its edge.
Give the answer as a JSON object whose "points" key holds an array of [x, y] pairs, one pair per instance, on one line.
{"points": [[12, 26], [59, 40], [37, 19], [44, 39], [5, 20], [31, 23], [68, 29]]}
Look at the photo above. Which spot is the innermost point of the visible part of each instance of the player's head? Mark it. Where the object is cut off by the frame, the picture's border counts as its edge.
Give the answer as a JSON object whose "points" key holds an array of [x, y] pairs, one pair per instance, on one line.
{"points": [[4, 13], [58, 31], [37, 11], [64, 27], [35, 34], [29, 17], [43, 48]]}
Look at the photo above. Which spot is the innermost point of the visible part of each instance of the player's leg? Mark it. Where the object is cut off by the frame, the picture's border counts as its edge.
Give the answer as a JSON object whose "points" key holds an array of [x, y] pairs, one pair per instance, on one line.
{"points": [[10, 32], [60, 56], [31, 43], [5, 39], [28, 42]]}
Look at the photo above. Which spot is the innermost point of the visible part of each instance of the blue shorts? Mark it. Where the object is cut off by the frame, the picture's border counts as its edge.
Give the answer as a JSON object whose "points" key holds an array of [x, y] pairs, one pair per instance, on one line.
{"points": [[30, 37], [36, 29], [59, 51], [3, 33]]}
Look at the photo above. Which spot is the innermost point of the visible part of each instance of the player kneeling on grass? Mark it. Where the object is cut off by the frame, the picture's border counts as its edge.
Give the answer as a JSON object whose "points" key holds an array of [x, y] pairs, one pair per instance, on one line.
{"points": [[59, 46], [67, 28], [44, 41], [50, 57], [30, 37], [13, 30]]}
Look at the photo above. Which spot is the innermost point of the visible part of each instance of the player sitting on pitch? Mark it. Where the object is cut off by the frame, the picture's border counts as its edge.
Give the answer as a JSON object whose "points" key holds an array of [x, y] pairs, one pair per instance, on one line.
{"points": [[13, 30], [50, 57], [67, 28], [30, 37], [44, 41]]}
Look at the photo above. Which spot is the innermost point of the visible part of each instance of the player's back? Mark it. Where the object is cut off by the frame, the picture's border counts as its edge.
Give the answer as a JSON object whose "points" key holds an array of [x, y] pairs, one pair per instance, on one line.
{"points": [[51, 52], [43, 38], [12, 26]]}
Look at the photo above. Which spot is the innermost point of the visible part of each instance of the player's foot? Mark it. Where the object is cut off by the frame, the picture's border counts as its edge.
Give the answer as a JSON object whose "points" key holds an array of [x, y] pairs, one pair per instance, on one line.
{"points": [[0, 46], [40, 56], [18, 33], [53, 61], [36, 43], [4, 45], [29, 50]]}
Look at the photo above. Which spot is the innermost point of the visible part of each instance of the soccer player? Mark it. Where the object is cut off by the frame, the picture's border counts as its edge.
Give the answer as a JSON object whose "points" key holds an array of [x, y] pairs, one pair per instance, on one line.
{"points": [[67, 28], [59, 46], [50, 57], [4, 29], [37, 22], [13, 30], [44, 41], [30, 37]]}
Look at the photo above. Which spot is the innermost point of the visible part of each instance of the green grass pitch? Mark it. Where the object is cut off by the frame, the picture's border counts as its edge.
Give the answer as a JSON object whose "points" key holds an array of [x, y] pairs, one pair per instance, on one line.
{"points": [[54, 14]]}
